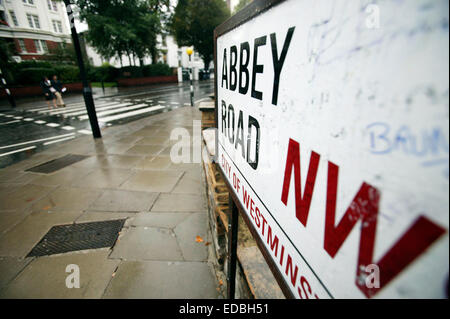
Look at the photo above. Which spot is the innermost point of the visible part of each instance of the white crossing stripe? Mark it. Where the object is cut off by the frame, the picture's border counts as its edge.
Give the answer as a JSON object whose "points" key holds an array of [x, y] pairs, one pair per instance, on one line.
{"points": [[40, 122], [187, 104], [56, 141], [18, 117], [68, 109], [10, 122], [17, 151], [52, 124], [68, 128], [100, 114], [161, 101], [28, 119], [9, 115], [128, 114], [107, 107], [36, 141], [87, 132], [175, 103]]}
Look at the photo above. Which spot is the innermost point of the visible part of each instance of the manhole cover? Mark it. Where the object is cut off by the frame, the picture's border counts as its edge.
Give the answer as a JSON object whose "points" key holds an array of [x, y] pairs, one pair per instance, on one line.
{"points": [[56, 164], [65, 238]]}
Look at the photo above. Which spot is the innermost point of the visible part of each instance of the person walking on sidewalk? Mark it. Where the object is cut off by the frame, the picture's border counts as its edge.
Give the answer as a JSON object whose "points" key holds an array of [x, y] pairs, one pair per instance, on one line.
{"points": [[47, 89], [57, 85]]}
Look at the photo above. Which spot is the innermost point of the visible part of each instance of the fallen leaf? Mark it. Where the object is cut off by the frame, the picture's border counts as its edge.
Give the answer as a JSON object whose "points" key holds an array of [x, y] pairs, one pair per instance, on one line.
{"points": [[220, 282], [207, 243], [198, 239], [47, 207], [113, 274], [29, 199]]}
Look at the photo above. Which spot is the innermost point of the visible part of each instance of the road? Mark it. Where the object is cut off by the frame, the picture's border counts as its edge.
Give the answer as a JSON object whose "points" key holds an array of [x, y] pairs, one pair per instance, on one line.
{"points": [[31, 128]]}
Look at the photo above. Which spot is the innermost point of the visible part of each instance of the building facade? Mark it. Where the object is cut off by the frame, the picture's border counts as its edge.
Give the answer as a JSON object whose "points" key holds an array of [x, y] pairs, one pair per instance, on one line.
{"points": [[35, 27]]}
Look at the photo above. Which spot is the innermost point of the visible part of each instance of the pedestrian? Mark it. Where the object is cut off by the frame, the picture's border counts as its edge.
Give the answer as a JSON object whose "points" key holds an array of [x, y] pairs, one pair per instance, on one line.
{"points": [[57, 85], [47, 89]]}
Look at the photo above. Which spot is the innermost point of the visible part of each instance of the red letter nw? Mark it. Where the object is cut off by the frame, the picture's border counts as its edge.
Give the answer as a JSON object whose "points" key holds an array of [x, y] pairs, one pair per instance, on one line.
{"points": [[365, 207], [293, 161]]}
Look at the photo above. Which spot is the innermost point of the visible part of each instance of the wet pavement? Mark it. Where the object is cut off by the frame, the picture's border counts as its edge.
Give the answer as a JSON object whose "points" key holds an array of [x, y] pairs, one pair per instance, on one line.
{"points": [[31, 127], [128, 174]]}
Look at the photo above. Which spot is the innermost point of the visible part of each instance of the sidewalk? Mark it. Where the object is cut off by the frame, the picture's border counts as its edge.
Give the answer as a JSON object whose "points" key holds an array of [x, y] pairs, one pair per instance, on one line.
{"points": [[128, 175]]}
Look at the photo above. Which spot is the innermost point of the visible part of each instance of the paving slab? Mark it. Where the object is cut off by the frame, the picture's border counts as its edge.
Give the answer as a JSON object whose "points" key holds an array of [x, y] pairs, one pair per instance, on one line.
{"points": [[187, 232], [22, 197], [156, 219], [190, 183], [61, 177], [9, 219], [121, 161], [103, 216], [163, 280], [10, 267], [147, 243], [67, 198], [124, 201], [45, 277], [104, 178], [179, 203], [153, 181], [146, 150], [19, 240], [155, 163]]}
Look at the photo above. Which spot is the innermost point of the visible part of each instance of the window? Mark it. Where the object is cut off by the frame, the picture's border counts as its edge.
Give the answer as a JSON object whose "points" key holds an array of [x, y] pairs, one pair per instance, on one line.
{"points": [[57, 26], [22, 46], [33, 21], [38, 46], [44, 46], [52, 5], [28, 1], [14, 18]]}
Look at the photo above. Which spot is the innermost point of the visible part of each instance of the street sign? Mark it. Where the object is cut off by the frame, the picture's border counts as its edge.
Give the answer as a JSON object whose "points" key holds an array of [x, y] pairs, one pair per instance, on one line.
{"points": [[333, 137]]}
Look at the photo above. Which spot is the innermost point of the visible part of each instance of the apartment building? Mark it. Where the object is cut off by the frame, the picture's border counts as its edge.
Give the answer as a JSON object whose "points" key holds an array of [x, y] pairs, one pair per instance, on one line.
{"points": [[34, 26]]}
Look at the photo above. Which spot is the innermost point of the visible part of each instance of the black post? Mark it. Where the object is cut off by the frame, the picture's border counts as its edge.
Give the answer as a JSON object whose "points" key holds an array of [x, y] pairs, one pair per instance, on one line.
{"points": [[87, 91], [190, 77], [8, 92], [232, 248]]}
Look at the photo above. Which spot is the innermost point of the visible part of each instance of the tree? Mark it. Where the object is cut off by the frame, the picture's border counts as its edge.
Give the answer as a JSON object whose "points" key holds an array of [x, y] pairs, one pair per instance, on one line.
{"points": [[118, 27], [193, 23], [241, 5]]}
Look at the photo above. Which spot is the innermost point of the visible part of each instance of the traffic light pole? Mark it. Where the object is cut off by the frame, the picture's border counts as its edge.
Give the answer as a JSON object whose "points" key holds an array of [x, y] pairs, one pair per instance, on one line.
{"points": [[87, 91], [7, 91], [190, 78]]}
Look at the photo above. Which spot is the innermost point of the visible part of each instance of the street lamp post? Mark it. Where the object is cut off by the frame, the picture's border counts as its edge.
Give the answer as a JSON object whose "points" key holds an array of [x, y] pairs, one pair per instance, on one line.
{"points": [[189, 53], [87, 91], [8, 92]]}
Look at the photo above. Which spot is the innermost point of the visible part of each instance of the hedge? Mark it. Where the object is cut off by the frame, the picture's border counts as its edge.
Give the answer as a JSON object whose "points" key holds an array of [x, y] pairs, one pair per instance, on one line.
{"points": [[32, 72]]}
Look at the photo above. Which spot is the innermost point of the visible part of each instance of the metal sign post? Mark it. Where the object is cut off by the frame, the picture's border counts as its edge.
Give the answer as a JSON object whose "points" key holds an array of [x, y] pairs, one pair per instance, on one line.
{"points": [[87, 91], [233, 227]]}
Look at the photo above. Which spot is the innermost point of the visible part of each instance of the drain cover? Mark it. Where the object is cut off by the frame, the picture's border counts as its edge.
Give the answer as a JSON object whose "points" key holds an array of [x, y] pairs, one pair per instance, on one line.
{"points": [[56, 164], [65, 238]]}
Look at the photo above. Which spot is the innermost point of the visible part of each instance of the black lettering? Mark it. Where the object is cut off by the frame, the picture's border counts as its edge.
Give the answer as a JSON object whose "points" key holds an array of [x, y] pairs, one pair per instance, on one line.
{"points": [[257, 68], [224, 117], [278, 62], [243, 68], [240, 137], [231, 117], [253, 122], [233, 71], [224, 69]]}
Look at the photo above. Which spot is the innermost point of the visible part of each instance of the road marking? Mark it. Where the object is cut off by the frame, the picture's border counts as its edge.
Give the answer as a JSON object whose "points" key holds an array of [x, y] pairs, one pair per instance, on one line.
{"points": [[87, 132], [100, 114], [187, 104], [161, 101], [128, 114], [40, 122], [106, 107], [10, 122], [18, 117], [9, 115], [60, 140], [36, 141], [68, 128], [69, 109], [28, 119], [17, 151], [175, 103], [52, 124]]}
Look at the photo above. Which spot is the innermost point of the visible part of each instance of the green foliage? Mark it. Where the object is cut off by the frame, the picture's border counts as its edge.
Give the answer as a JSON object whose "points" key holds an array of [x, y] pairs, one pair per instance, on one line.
{"points": [[119, 28], [194, 21], [32, 72], [156, 69], [33, 76], [241, 5]]}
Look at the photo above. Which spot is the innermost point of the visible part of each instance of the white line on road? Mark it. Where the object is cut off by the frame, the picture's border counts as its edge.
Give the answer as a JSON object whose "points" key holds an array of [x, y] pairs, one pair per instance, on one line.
{"points": [[17, 151], [18, 117], [107, 107], [100, 114], [87, 132], [40, 122], [28, 119], [60, 140], [36, 141], [10, 122], [68, 128], [128, 114], [52, 124]]}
